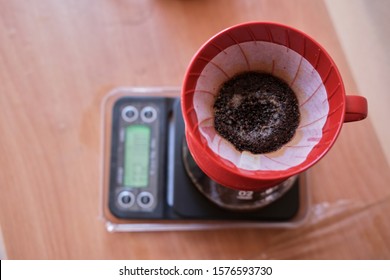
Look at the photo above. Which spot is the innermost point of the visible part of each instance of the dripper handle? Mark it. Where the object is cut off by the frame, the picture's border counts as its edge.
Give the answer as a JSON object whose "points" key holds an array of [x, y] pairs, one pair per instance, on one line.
{"points": [[356, 108]]}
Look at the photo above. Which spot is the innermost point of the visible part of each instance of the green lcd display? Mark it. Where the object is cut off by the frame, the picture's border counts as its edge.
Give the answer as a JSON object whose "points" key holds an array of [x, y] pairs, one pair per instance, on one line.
{"points": [[136, 163]]}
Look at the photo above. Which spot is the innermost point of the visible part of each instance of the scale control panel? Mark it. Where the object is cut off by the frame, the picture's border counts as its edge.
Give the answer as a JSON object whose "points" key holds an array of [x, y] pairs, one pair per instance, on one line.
{"points": [[137, 156]]}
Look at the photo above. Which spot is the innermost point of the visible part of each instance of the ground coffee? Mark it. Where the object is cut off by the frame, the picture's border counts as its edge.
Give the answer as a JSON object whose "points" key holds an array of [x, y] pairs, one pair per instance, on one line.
{"points": [[256, 112]]}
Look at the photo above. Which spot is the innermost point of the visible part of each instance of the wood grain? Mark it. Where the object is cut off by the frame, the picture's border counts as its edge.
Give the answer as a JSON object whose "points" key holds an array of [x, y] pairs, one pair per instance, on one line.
{"points": [[57, 61]]}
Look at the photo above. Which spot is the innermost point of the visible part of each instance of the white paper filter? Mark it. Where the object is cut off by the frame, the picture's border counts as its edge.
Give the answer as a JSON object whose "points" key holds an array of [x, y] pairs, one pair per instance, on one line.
{"points": [[283, 63]]}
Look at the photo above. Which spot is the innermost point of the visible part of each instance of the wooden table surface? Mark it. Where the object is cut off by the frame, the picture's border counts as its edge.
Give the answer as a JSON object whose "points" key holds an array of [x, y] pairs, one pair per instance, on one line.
{"points": [[58, 59]]}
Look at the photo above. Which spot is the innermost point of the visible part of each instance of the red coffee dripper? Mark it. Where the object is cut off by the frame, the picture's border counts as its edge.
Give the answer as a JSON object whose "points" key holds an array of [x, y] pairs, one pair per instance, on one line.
{"points": [[341, 108]]}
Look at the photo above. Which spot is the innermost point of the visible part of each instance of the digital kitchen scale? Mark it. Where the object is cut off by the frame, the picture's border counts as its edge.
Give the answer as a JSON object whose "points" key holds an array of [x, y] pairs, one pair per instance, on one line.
{"points": [[151, 181]]}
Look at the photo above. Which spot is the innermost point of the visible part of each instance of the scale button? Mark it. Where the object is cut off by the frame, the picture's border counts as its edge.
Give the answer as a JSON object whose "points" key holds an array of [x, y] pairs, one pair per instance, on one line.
{"points": [[148, 114], [145, 199], [126, 199], [129, 113]]}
